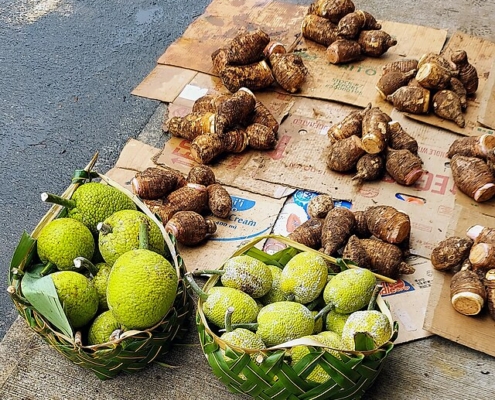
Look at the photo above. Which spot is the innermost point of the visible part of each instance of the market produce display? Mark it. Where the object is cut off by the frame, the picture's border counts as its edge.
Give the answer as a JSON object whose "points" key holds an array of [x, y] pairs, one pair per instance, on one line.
{"points": [[369, 143], [252, 60], [223, 124], [432, 83], [470, 260], [111, 300], [183, 204], [348, 33], [292, 329]]}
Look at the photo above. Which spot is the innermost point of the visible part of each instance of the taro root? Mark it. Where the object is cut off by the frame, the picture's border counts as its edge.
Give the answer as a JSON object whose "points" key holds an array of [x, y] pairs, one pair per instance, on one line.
{"points": [[412, 99], [467, 72], [343, 51], [332, 10], [386, 258], [355, 251], [481, 234], [247, 47], [458, 88], [192, 197], [252, 76], [353, 23], [403, 166], [235, 140], [482, 256], [489, 282], [472, 146], [319, 30], [361, 229], [467, 292], [201, 174], [261, 137], [350, 125], [288, 70], [375, 132], [205, 148], [308, 233], [473, 177], [154, 183], [450, 253], [343, 155], [399, 139], [338, 226], [369, 167], [447, 105], [391, 81], [219, 200], [220, 59], [190, 228], [161, 208], [405, 65], [437, 59], [191, 125], [319, 206], [234, 110], [433, 76], [209, 103], [387, 223], [375, 43], [262, 115]]}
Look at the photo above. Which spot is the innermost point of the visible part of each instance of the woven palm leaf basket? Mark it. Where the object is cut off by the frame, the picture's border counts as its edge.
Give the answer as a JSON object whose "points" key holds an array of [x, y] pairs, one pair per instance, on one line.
{"points": [[126, 352], [268, 373]]}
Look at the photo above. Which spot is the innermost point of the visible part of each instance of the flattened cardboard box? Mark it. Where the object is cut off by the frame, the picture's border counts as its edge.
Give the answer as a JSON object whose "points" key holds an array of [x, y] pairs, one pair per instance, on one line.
{"points": [[476, 332], [352, 83]]}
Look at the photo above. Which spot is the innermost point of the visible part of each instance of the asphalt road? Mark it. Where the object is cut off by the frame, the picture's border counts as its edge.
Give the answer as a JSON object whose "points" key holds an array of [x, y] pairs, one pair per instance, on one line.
{"points": [[67, 68]]}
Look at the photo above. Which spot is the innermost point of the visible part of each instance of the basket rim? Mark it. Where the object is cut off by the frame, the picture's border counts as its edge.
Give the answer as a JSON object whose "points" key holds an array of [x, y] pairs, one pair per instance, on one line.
{"points": [[53, 213], [212, 280]]}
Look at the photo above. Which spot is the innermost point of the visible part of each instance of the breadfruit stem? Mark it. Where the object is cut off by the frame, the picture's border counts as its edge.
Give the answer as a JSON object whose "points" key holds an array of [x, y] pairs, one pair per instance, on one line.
{"points": [[12, 292], [53, 198], [81, 262], [253, 326], [143, 236], [200, 272], [49, 267], [228, 319], [376, 291], [194, 286], [324, 311], [103, 228]]}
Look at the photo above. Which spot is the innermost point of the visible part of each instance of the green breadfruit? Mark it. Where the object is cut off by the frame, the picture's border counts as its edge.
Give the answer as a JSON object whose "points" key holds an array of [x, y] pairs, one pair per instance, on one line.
{"points": [[373, 322], [275, 293], [304, 276], [102, 327], [141, 288], [95, 202], [77, 295], [119, 234], [247, 274], [350, 290], [100, 282], [62, 240], [283, 321]]}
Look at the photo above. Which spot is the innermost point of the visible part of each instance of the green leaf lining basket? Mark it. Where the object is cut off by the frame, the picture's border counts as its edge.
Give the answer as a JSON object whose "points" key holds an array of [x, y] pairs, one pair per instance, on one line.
{"points": [[266, 374], [133, 350]]}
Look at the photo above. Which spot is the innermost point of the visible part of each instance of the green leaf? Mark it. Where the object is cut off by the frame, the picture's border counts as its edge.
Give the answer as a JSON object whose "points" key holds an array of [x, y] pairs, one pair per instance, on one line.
{"points": [[24, 251], [363, 341], [283, 256], [263, 257], [41, 293]]}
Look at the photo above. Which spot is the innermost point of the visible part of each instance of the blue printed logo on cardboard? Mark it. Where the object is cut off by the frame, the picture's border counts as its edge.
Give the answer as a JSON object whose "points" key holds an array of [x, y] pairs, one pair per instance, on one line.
{"points": [[241, 204], [302, 198]]}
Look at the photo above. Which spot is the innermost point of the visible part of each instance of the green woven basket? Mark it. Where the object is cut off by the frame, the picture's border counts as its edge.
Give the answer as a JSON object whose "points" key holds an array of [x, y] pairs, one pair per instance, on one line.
{"points": [[133, 350], [266, 374]]}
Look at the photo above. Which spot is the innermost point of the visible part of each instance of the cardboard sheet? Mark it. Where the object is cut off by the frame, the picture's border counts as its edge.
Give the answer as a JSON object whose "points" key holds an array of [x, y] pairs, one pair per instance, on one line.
{"points": [[476, 332], [486, 115]]}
